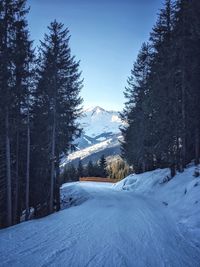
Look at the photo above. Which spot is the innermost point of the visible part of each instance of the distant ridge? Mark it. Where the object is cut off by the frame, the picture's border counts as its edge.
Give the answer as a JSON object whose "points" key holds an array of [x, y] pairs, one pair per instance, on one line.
{"points": [[100, 136]]}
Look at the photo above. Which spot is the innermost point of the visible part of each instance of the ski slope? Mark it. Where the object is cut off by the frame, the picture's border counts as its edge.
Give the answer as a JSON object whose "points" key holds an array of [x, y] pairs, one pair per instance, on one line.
{"points": [[106, 227]]}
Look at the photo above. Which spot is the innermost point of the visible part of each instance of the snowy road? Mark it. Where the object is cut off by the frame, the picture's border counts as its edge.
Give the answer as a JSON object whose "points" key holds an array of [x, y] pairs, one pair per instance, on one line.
{"points": [[110, 229]]}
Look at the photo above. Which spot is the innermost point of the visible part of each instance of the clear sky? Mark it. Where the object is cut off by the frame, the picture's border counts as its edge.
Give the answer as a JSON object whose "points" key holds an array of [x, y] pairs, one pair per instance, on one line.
{"points": [[106, 36]]}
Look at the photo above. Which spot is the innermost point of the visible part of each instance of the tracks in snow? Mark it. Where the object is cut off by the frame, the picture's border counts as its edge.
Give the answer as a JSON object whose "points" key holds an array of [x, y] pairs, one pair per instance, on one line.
{"points": [[110, 229]]}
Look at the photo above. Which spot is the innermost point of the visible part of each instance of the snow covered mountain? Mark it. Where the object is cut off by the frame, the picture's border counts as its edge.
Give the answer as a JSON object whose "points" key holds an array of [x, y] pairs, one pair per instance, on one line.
{"points": [[98, 125], [108, 148], [101, 135], [97, 121]]}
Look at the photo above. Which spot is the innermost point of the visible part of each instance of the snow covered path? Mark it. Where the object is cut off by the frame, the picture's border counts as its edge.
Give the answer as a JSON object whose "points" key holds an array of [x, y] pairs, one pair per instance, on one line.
{"points": [[111, 229]]}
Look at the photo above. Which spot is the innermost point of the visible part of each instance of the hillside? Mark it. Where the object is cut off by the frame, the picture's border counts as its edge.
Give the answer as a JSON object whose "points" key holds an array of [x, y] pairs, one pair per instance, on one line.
{"points": [[101, 135]]}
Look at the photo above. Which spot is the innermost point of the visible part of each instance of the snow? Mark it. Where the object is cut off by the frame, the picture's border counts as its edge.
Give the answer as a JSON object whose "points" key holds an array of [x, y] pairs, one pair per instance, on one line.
{"points": [[72, 195], [101, 139], [89, 142], [115, 118], [181, 195], [100, 132], [97, 120], [83, 153], [126, 224]]}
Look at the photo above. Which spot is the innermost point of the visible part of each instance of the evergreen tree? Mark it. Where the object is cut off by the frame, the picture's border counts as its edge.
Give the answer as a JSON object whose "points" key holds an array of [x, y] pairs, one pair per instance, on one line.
{"points": [[134, 113], [24, 80], [7, 21], [162, 111], [163, 94], [103, 167], [56, 108], [80, 169], [186, 40], [15, 60], [70, 173], [90, 169]]}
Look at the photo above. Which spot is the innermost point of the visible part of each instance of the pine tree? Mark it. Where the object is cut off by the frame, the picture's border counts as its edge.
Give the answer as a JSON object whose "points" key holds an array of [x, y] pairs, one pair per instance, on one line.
{"points": [[133, 146], [15, 57], [23, 62], [167, 113], [90, 169], [57, 104], [163, 94], [6, 51], [194, 109], [70, 173], [186, 39], [80, 169], [103, 167]]}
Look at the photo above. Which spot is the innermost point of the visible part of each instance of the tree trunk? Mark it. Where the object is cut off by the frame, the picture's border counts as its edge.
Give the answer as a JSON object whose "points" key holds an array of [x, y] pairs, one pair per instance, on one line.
{"points": [[28, 166], [197, 146], [51, 204], [183, 103], [173, 170], [183, 134], [7, 135], [8, 172], [57, 192], [143, 166], [16, 200]]}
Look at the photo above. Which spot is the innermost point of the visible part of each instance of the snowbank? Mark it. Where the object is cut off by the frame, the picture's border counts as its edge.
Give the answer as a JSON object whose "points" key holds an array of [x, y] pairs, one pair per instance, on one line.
{"points": [[72, 194], [180, 195], [143, 183]]}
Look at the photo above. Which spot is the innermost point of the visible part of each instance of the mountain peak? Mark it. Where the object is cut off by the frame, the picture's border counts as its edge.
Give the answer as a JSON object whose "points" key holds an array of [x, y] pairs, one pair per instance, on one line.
{"points": [[94, 109], [98, 110], [97, 120]]}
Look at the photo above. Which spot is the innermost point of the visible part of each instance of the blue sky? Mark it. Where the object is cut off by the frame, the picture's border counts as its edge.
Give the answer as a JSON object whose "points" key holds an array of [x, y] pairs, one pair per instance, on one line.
{"points": [[106, 36]]}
